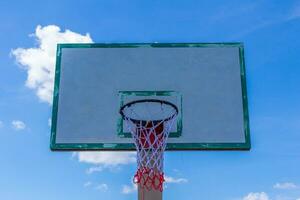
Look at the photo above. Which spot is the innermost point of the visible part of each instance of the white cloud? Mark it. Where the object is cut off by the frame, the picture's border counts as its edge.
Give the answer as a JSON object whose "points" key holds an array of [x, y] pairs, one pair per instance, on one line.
{"points": [[102, 187], [257, 196], [169, 179], [39, 62], [221, 13], [285, 186], [1, 124], [18, 125], [94, 169], [87, 184], [49, 122], [73, 155], [106, 159], [126, 189], [295, 13]]}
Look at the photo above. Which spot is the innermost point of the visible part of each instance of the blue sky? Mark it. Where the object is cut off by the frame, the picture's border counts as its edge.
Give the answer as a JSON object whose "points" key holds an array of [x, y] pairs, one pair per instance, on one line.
{"points": [[270, 32]]}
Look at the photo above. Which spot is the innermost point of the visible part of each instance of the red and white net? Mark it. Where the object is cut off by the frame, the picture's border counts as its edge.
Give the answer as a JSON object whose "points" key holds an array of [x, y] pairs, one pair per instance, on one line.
{"points": [[150, 123]]}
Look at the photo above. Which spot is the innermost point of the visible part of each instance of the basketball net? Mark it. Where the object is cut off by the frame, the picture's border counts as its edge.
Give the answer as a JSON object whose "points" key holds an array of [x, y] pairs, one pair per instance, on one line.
{"points": [[150, 139]]}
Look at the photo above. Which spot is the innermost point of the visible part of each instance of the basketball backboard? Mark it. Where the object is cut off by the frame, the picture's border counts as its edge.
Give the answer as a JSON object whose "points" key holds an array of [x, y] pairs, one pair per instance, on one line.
{"points": [[205, 81]]}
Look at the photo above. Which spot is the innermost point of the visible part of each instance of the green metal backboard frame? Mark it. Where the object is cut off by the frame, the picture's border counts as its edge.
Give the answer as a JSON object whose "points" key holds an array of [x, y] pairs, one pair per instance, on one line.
{"points": [[127, 146]]}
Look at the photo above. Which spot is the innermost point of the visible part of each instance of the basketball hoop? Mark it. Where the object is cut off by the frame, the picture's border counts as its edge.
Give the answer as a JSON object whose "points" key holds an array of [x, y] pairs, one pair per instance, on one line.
{"points": [[150, 122]]}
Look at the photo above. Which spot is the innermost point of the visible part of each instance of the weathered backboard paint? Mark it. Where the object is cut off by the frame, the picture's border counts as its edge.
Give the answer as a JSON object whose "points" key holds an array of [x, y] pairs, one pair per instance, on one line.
{"points": [[206, 81]]}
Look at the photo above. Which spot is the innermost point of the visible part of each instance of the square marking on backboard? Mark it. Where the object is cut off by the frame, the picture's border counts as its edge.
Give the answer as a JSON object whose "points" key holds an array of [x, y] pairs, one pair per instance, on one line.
{"points": [[171, 96]]}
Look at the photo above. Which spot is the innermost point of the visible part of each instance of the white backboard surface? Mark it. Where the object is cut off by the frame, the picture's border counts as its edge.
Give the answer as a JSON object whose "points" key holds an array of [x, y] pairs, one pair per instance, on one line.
{"points": [[206, 81]]}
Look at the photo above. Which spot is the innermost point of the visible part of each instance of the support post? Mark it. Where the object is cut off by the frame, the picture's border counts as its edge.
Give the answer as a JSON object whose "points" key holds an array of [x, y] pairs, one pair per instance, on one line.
{"points": [[143, 193]]}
